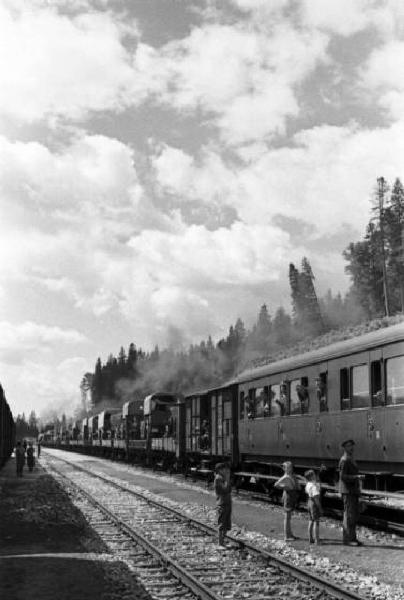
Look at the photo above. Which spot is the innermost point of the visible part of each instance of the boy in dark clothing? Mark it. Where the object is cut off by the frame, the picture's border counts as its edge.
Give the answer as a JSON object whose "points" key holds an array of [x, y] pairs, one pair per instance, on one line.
{"points": [[222, 487]]}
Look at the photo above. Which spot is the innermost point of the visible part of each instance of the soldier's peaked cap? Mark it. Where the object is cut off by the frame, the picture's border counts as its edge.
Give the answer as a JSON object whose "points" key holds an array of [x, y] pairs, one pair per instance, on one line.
{"points": [[347, 443]]}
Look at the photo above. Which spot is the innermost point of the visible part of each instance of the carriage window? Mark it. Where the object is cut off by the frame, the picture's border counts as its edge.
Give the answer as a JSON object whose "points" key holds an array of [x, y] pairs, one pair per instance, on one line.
{"points": [[395, 380], [294, 398], [299, 396], [261, 402], [242, 412], [250, 404], [360, 386], [321, 391], [276, 404], [344, 389], [376, 383]]}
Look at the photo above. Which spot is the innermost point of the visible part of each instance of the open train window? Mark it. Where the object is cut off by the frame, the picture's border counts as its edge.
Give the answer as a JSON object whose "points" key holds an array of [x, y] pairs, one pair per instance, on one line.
{"points": [[321, 391], [395, 380], [261, 402], [241, 405], [277, 405], [250, 404], [299, 396], [344, 389], [360, 386], [376, 383]]}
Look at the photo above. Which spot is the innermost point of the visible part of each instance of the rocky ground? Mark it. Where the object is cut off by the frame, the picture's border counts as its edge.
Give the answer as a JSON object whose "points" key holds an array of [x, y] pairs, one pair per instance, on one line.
{"points": [[48, 551]]}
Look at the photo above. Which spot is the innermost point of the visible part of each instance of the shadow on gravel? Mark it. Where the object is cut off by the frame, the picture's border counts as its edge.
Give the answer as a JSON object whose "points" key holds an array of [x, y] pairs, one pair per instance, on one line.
{"points": [[61, 578], [48, 551], [38, 516]]}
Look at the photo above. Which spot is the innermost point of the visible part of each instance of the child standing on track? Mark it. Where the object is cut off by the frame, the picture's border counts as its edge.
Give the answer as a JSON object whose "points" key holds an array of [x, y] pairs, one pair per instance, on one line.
{"points": [[314, 506], [290, 486], [222, 487]]}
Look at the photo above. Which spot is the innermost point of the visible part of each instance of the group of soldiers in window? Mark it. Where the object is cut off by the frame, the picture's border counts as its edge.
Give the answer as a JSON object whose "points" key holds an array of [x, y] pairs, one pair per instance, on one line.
{"points": [[274, 406]]}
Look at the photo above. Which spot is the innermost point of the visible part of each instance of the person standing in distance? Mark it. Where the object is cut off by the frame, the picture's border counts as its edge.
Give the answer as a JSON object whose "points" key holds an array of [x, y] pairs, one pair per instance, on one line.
{"points": [[222, 488], [349, 488], [19, 458]]}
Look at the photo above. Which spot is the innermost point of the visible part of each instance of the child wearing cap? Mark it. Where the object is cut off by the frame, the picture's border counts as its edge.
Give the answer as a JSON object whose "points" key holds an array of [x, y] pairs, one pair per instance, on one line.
{"points": [[313, 491], [290, 486]]}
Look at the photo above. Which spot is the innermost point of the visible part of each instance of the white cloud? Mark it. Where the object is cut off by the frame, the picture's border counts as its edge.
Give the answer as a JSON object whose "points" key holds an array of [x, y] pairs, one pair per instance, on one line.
{"points": [[258, 73], [56, 66], [19, 341], [326, 177], [43, 386], [348, 17], [380, 75], [344, 17]]}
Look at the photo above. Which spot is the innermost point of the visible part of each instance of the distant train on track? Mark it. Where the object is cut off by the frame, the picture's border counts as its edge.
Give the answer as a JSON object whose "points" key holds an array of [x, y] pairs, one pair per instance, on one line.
{"points": [[7, 429], [299, 408]]}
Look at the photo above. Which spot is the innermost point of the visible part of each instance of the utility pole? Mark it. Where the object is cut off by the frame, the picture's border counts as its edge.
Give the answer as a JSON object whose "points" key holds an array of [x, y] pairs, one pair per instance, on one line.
{"points": [[381, 190]]}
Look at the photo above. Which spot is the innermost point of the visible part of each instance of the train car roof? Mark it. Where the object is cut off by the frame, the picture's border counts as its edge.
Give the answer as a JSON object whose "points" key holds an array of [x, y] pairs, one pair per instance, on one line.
{"points": [[162, 396], [380, 337]]}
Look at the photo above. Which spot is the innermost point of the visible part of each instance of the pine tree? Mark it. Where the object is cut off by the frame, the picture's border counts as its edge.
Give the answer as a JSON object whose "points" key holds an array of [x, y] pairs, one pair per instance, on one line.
{"points": [[260, 338], [395, 238], [97, 386], [306, 308], [381, 251], [282, 328], [314, 324]]}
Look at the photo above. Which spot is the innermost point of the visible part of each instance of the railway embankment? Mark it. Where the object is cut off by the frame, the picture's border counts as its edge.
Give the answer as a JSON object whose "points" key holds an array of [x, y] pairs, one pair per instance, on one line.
{"points": [[47, 548]]}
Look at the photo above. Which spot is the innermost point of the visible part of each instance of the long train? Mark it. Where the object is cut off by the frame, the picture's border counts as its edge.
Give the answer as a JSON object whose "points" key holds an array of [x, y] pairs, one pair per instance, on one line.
{"points": [[7, 429], [299, 408]]}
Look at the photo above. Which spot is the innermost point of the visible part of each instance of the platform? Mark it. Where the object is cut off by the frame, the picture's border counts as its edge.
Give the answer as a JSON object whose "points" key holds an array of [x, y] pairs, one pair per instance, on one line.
{"points": [[47, 550]]}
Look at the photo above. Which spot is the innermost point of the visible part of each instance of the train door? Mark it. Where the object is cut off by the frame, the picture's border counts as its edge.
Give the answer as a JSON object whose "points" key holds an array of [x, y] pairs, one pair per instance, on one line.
{"points": [[214, 422], [188, 425], [195, 423], [227, 423], [219, 421]]}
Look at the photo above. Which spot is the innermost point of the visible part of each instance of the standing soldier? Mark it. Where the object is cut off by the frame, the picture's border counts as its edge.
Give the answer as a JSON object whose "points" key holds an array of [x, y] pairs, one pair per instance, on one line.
{"points": [[222, 487], [349, 487], [19, 458]]}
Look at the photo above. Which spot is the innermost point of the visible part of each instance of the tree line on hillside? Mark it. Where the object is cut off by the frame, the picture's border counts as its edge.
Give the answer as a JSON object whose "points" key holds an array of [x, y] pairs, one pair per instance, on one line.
{"points": [[25, 428], [375, 266], [376, 263]]}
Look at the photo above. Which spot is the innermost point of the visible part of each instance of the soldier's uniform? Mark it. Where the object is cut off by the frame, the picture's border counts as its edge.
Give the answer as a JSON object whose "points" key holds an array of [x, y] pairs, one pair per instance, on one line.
{"points": [[349, 488]]}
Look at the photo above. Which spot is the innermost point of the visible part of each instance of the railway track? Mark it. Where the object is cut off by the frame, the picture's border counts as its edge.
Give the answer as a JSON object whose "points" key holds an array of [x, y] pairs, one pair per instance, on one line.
{"points": [[178, 556]]}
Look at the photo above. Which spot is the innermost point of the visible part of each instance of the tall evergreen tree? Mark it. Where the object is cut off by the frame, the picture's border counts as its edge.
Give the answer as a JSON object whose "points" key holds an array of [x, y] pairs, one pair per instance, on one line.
{"points": [[306, 308], [97, 386], [282, 328], [395, 238], [260, 337]]}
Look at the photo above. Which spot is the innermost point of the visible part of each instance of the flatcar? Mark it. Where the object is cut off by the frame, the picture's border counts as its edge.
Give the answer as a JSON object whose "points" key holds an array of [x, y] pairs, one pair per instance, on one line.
{"points": [[7, 429]]}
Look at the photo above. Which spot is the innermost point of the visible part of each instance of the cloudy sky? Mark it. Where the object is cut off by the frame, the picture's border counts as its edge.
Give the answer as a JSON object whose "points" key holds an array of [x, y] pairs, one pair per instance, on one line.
{"points": [[162, 162]]}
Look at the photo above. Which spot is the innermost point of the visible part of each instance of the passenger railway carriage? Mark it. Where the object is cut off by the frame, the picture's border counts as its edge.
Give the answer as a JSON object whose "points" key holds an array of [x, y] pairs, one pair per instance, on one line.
{"points": [[302, 408], [299, 408]]}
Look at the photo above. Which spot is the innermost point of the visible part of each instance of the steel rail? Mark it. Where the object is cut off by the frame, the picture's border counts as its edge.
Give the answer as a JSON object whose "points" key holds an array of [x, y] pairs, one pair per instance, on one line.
{"points": [[197, 587], [295, 571]]}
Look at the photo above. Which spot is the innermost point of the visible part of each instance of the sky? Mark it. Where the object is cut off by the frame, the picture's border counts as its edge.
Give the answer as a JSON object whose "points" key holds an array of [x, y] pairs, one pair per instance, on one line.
{"points": [[163, 161]]}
